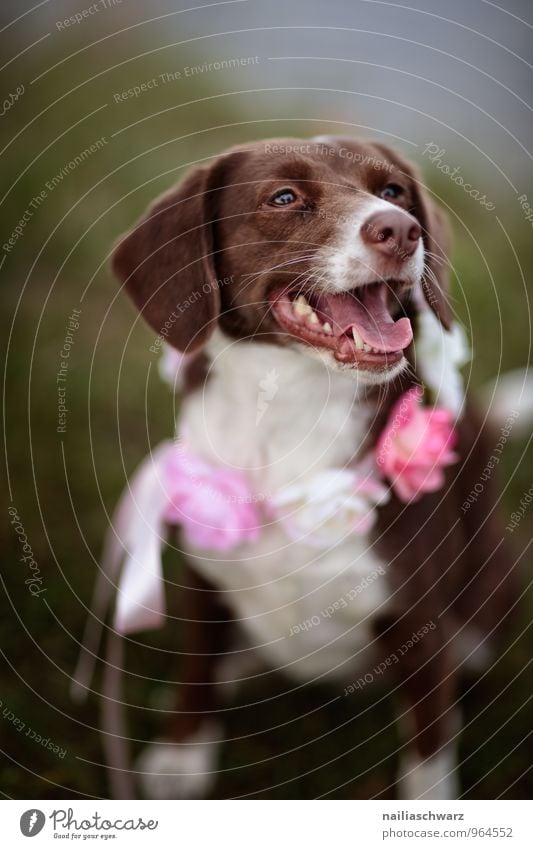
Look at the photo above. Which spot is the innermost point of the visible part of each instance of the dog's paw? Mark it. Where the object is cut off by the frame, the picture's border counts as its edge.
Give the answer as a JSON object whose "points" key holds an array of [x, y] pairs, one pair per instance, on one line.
{"points": [[185, 770]]}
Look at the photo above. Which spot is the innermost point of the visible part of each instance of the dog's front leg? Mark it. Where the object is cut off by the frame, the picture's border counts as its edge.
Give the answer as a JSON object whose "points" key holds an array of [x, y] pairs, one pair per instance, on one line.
{"points": [[424, 690], [183, 763]]}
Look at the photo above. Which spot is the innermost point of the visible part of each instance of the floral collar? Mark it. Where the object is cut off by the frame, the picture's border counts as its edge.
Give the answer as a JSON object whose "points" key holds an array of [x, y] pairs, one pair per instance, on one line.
{"points": [[218, 510]]}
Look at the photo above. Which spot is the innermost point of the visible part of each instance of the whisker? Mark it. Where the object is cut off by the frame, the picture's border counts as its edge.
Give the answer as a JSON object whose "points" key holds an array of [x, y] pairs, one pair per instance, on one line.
{"points": [[435, 257], [433, 278], [309, 275], [411, 372], [312, 274], [290, 261]]}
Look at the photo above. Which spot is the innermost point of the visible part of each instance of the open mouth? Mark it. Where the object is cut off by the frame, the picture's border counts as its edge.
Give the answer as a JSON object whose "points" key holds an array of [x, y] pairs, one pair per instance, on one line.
{"points": [[357, 326]]}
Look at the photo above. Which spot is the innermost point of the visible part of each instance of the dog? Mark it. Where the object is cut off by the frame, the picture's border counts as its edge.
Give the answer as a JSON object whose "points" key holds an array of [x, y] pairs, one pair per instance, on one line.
{"points": [[305, 283]]}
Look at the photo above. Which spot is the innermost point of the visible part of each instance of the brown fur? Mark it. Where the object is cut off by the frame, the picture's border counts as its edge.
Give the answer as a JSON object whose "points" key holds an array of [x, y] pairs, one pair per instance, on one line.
{"points": [[214, 235]]}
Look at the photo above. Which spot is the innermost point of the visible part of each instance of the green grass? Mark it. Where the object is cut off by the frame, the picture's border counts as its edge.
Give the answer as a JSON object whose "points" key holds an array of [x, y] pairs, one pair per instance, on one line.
{"points": [[62, 485]]}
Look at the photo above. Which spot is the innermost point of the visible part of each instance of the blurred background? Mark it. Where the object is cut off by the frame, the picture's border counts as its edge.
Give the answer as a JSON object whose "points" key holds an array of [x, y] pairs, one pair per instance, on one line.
{"points": [[447, 83]]}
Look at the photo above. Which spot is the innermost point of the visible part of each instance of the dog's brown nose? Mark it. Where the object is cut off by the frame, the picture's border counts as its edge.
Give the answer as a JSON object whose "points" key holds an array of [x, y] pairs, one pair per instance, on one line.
{"points": [[392, 232]]}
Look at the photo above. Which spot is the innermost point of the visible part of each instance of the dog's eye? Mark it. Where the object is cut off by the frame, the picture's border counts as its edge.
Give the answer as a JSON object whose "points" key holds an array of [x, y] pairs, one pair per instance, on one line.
{"points": [[283, 197], [392, 191]]}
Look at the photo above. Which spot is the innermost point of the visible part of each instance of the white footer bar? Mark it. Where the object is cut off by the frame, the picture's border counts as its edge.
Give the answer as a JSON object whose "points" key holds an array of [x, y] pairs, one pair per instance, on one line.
{"points": [[268, 824]]}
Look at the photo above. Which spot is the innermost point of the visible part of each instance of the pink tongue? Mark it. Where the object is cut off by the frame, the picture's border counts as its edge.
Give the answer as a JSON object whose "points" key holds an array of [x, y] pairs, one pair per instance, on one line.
{"points": [[368, 313]]}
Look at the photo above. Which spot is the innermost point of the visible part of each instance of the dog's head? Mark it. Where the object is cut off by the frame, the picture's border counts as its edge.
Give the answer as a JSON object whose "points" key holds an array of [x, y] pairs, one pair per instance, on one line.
{"points": [[315, 244]]}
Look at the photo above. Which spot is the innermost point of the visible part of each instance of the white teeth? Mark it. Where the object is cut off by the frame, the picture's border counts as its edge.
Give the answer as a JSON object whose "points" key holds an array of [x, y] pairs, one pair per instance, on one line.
{"points": [[359, 344], [301, 306], [366, 347]]}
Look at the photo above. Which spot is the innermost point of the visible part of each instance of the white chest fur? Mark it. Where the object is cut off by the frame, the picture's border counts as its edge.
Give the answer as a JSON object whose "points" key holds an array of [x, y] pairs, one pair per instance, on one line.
{"points": [[278, 416]]}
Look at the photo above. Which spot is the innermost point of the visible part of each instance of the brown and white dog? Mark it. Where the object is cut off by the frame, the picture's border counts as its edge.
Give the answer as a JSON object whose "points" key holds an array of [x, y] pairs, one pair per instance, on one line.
{"points": [[217, 266]]}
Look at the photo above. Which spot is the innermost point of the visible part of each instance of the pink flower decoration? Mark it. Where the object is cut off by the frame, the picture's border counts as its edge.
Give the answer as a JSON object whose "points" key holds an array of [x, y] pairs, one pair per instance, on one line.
{"points": [[415, 447], [214, 506]]}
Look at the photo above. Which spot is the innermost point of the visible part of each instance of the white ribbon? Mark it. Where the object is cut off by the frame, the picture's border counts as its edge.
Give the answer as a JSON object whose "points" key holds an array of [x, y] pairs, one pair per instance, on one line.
{"points": [[134, 540], [139, 527]]}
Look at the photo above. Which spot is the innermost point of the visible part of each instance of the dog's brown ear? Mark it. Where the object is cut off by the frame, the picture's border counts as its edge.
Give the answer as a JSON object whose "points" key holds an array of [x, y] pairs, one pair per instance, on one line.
{"points": [[436, 235], [166, 264]]}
